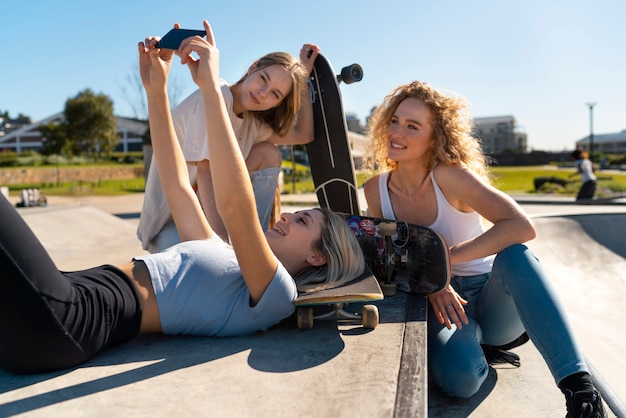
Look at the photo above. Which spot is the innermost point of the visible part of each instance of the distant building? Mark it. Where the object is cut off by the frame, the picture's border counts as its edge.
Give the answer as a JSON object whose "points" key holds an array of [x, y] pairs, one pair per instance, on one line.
{"points": [[605, 143], [130, 132], [8, 125], [354, 123], [500, 134]]}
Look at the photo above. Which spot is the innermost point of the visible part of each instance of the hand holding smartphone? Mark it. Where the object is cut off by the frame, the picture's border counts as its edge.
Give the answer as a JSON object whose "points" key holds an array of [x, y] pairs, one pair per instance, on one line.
{"points": [[174, 37]]}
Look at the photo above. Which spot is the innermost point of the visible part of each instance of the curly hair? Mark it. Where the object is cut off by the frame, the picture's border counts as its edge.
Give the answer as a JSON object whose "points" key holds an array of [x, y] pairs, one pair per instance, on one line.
{"points": [[452, 129], [283, 116]]}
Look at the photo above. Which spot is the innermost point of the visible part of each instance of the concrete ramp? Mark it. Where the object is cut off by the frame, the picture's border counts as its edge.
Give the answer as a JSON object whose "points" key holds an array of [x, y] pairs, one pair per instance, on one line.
{"points": [[78, 237], [331, 370], [585, 256]]}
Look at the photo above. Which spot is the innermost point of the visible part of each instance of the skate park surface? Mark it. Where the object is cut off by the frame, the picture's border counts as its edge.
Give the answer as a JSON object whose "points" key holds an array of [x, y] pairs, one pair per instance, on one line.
{"points": [[334, 369]]}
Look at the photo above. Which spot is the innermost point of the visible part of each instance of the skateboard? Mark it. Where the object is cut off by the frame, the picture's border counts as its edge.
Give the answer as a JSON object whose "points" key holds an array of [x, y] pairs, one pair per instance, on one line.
{"points": [[330, 157], [401, 255], [365, 288]]}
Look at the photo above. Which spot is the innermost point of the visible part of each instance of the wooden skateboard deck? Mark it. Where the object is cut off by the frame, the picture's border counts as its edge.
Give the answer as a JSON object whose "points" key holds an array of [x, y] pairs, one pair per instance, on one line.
{"points": [[411, 257], [330, 157], [363, 289]]}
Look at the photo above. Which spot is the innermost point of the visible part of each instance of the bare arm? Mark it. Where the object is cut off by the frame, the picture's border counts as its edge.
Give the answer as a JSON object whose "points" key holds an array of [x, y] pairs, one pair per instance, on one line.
{"points": [[185, 207], [232, 187], [467, 191]]}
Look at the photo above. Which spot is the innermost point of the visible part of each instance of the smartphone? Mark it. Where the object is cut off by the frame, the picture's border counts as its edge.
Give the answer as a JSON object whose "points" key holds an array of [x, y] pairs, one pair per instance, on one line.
{"points": [[174, 37]]}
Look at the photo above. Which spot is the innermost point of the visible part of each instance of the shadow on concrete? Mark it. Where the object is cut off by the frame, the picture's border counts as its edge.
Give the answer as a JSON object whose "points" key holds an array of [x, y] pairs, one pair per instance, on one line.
{"points": [[283, 349]]}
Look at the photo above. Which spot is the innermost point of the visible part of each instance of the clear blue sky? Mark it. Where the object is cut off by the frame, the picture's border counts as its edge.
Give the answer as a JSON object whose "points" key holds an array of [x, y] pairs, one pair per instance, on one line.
{"points": [[538, 60]]}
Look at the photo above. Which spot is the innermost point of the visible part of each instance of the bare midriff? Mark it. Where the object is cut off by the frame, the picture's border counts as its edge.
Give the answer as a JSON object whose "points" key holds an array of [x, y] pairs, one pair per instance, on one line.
{"points": [[150, 319]]}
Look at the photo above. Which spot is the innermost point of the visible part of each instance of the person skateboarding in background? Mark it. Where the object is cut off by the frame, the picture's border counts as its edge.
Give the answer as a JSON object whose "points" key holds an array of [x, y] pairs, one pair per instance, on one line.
{"points": [[262, 107], [434, 173], [586, 170]]}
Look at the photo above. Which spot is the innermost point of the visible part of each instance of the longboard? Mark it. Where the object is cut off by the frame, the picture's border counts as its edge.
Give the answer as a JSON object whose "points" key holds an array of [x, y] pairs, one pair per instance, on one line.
{"points": [[365, 288], [330, 157], [401, 255]]}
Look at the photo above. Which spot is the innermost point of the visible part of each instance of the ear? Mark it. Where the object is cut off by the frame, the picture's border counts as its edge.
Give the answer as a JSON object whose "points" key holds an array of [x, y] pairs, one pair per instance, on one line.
{"points": [[316, 259], [253, 67]]}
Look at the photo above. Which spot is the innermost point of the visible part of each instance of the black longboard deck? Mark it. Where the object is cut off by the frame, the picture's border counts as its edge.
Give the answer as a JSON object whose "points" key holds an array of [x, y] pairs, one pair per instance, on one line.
{"points": [[332, 167], [422, 257]]}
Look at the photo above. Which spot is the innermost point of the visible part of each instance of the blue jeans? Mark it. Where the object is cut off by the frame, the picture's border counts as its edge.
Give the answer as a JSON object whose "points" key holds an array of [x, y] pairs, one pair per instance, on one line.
{"points": [[516, 296], [264, 183]]}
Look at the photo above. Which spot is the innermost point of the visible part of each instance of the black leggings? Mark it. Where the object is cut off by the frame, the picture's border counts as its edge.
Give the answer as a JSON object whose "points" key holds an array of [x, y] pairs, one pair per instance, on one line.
{"points": [[51, 320]]}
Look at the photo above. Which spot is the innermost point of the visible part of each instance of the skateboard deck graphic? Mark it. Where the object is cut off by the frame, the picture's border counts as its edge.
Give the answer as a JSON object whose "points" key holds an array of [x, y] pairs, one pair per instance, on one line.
{"points": [[365, 288], [410, 257], [330, 157]]}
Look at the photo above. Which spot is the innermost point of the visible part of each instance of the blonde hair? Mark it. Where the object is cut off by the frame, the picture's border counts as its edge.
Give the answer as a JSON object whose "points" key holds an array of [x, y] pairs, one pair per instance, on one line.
{"points": [[451, 123], [282, 117], [344, 257]]}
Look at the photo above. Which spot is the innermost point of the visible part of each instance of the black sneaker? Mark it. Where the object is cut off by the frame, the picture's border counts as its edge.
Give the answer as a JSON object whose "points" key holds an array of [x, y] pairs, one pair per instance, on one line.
{"points": [[500, 354], [584, 404], [494, 356]]}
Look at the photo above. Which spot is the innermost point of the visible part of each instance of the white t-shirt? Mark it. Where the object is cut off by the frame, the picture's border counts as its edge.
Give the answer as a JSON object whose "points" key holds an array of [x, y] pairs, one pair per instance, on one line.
{"points": [[190, 125], [586, 170]]}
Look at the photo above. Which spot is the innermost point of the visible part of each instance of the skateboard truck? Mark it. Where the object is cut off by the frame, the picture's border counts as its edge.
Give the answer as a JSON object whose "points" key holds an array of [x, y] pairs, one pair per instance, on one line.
{"points": [[368, 317]]}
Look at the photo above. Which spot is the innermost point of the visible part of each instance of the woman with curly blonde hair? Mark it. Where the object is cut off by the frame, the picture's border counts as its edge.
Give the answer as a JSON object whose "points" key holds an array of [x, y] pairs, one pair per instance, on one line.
{"points": [[453, 129], [498, 296]]}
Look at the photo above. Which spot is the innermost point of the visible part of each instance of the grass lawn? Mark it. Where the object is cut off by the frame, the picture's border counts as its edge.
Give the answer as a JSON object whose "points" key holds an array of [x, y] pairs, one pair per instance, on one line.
{"points": [[512, 180], [101, 188]]}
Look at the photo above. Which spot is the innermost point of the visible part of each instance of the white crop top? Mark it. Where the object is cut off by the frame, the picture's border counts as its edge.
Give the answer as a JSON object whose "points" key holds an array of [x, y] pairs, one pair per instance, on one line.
{"points": [[455, 226], [200, 291]]}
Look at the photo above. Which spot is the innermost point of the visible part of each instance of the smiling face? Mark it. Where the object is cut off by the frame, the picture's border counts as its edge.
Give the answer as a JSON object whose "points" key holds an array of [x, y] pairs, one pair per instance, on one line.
{"points": [[264, 89], [410, 133], [294, 239]]}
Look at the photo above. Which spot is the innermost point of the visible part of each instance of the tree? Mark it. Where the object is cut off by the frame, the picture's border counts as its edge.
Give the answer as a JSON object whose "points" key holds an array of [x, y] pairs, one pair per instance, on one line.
{"points": [[135, 96], [54, 139], [90, 123]]}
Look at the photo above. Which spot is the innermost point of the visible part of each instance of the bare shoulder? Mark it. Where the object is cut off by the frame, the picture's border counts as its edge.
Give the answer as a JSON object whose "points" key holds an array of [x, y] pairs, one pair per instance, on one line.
{"points": [[371, 184], [456, 176], [371, 195], [462, 187]]}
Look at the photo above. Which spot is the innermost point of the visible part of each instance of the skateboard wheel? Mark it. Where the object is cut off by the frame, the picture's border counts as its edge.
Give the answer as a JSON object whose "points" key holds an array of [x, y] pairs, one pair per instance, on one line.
{"points": [[351, 74], [369, 316], [304, 318], [388, 229], [389, 289]]}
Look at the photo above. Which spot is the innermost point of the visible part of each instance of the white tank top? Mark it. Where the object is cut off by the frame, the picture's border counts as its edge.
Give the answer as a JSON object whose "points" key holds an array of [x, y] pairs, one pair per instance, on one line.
{"points": [[455, 226]]}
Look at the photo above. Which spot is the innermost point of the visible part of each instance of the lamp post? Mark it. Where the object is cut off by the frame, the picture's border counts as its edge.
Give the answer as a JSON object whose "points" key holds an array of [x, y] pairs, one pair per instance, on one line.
{"points": [[591, 105]]}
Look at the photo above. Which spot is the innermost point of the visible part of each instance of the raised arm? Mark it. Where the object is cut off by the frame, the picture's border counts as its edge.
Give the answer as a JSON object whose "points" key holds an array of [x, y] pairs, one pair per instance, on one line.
{"points": [[231, 182], [302, 131], [154, 66]]}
